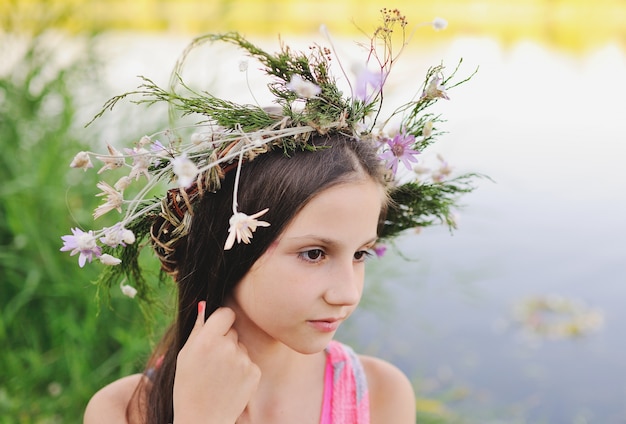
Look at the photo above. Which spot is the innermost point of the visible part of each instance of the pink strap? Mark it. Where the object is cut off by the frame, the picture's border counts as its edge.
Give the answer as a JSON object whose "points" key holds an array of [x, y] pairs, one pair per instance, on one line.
{"points": [[327, 417], [346, 399]]}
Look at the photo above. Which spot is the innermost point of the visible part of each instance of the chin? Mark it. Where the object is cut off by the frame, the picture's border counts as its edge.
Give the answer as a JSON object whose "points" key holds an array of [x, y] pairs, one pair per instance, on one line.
{"points": [[311, 346]]}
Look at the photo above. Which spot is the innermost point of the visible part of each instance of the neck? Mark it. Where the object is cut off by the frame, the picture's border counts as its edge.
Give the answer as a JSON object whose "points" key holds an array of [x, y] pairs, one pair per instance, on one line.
{"points": [[291, 383]]}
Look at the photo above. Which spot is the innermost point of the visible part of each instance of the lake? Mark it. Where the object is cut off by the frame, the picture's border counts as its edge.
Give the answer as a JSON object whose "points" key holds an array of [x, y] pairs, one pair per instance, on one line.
{"points": [[550, 129]]}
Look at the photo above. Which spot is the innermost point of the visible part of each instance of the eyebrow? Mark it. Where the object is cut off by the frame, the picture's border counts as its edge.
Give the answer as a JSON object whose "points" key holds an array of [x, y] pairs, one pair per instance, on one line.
{"points": [[327, 241]]}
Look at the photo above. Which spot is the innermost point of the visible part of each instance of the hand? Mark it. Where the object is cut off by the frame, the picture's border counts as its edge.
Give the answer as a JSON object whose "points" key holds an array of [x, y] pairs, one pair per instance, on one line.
{"points": [[215, 377]]}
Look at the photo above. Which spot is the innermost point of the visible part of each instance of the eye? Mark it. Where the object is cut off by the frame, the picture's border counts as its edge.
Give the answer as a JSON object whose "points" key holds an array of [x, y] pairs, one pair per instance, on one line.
{"points": [[362, 255], [313, 255]]}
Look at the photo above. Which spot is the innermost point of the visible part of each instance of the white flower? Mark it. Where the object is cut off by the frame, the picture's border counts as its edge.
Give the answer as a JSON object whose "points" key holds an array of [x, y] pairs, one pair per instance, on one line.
{"points": [[185, 170], [204, 140], [443, 171], [243, 66], [439, 24], [107, 259], [81, 160], [421, 170], [111, 237], [113, 161], [127, 236], [127, 290], [242, 226], [122, 184], [303, 88], [435, 89], [117, 235], [114, 200], [201, 137], [145, 140], [141, 162], [427, 131]]}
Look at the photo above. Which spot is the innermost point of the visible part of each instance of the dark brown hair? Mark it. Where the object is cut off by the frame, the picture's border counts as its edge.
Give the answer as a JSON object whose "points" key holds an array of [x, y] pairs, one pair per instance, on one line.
{"points": [[283, 182]]}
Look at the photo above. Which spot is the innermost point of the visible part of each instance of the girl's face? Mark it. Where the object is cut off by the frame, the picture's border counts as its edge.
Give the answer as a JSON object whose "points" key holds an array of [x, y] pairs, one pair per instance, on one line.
{"points": [[311, 278]]}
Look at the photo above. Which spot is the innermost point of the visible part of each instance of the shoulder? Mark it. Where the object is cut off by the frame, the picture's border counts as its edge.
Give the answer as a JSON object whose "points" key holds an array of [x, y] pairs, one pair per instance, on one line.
{"points": [[112, 403], [392, 398]]}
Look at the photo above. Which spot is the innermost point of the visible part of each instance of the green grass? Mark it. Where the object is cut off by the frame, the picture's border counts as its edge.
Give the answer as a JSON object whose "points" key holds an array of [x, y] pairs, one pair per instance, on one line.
{"points": [[59, 345]]}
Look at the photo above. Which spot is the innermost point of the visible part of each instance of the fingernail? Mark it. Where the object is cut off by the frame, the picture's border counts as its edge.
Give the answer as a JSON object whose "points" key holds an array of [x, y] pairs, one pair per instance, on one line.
{"points": [[201, 307]]}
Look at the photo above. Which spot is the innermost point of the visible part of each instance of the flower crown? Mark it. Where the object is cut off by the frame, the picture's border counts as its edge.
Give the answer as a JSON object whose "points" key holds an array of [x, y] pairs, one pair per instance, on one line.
{"points": [[309, 102]]}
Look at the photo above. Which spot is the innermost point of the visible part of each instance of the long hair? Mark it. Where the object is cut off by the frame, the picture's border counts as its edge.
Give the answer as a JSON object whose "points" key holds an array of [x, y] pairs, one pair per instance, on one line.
{"points": [[283, 182]]}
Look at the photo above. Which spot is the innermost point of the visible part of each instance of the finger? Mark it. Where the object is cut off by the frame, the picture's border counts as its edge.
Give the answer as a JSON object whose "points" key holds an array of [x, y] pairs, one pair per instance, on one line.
{"points": [[199, 320], [232, 335], [221, 321], [242, 347]]}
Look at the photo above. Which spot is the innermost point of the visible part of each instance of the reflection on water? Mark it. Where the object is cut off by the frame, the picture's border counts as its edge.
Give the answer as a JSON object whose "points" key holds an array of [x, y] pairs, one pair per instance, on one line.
{"points": [[549, 128], [575, 25]]}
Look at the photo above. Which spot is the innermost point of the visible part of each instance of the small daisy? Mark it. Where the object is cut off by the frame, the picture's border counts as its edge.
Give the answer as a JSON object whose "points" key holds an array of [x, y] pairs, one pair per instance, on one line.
{"points": [[117, 236], [82, 160], [185, 170], [303, 88], [443, 171], [114, 200], [145, 140], [127, 290], [435, 89], [107, 259], [83, 243], [141, 162], [439, 24], [242, 226], [122, 184], [114, 160], [400, 151], [427, 131]]}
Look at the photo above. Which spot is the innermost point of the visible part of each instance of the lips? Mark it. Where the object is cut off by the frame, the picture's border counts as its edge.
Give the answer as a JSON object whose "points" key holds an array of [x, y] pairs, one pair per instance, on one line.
{"points": [[326, 325]]}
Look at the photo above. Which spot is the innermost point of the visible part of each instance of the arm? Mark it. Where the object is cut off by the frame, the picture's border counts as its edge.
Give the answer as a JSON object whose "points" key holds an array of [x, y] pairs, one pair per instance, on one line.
{"points": [[111, 403], [392, 399]]}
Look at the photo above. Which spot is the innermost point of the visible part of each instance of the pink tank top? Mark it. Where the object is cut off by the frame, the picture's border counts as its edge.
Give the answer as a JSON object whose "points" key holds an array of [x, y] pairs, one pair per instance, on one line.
{"points": [[346, 400]]}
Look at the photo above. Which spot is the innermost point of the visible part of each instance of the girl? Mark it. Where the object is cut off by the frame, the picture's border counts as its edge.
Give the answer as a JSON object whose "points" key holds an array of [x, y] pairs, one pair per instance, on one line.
{"points": [[265, 354], [266, 234]]}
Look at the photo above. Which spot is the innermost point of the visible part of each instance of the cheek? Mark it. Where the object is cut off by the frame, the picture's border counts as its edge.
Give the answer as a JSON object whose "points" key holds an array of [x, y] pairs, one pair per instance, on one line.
{"points": [[269, 289]]}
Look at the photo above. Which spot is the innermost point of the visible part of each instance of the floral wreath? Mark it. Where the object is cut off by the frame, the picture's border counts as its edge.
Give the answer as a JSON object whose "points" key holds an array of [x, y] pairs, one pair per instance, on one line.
{"points": [[229, 134]]}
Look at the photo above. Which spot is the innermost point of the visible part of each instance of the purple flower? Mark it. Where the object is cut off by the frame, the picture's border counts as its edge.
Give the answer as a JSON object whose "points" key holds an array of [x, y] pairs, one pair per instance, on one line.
{"points": [[380, 250], [159, 149], [83, 243], [399, 150], [365, 78]]}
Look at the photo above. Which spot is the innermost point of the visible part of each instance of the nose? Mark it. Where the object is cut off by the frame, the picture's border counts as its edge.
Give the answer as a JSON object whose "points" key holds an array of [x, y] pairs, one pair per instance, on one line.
{"points": [[345, 284]]}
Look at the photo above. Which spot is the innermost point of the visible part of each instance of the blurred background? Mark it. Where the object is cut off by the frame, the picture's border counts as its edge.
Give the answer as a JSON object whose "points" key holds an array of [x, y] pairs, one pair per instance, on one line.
{"points": [[516, 317]]}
